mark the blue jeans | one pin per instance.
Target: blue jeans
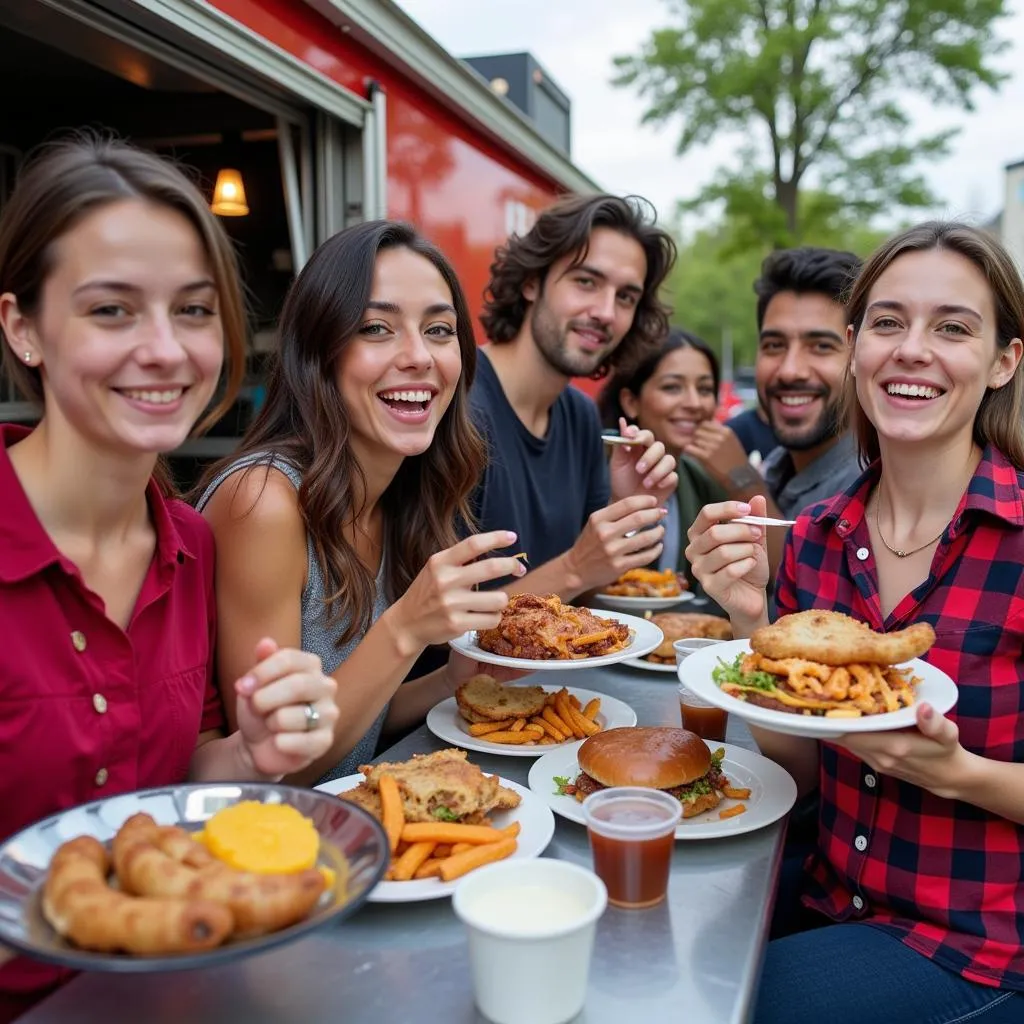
(859, 974)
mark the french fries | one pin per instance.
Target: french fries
(564, 718)
(459, 864)
(442, 849)
(731, 812)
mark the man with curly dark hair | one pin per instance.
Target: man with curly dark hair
(576, 296)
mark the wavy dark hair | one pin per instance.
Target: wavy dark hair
(64, 181)
(1000, 417)
(305, 423)
(564, 229)
(633, 378)
(805, 269)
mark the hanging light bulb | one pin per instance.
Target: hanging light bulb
(229, 194)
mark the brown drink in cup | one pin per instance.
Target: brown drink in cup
(632, 834)
(698, 716)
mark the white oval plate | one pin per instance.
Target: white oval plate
(445, 722)
(773, 792)
(645, 637)
(649, 666)
(639, 605)
(935, 687)
(537, 826)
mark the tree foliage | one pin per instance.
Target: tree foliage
(711, 288)
(814, 87)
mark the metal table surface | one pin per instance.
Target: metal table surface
(696, 957)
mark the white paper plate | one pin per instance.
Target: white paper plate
(646, 636)
(935, 688)
(650, 666)
(639, 605)
(445, 722)
(537, 826)
(773, 792)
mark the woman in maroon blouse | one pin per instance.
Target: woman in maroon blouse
(119, 296)
(921, 831)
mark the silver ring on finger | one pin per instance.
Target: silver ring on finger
(312, 717)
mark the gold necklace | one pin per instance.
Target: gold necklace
(899, 552)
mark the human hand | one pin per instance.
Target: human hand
(718, 450)
(621, 536)
(730, 560)
(929, 756)
(443, 602)
(274, 699)
(641, 468)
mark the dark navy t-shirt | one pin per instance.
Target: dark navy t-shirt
(753, 432)
(544, 488)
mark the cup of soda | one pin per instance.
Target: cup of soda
(632, 833)
(698, 716)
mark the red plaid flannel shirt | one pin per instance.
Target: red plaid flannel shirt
(946, 877)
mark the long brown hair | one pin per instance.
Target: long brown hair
(62, 183)
(304, 422)
(564, 229)
(999, 420)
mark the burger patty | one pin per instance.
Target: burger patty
(698, 796)
(764, 700)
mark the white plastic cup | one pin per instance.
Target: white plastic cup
(632, 833)
(531, 927)
(684, 648)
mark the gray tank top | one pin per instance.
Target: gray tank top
(317, 637)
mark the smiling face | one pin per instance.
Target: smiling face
(398, 374)
(678, 396)
(926, 350)
(581, 313)
(127, 336)
(801, 363)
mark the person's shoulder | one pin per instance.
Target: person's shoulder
(261, 495)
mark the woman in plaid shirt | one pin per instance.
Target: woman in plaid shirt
(921, 832)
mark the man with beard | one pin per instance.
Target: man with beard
(574, 297)
(801, 364)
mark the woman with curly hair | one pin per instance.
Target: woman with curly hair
(671, 392)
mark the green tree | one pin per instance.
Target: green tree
(813, 87)
(711, 287)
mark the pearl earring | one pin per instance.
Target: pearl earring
(28, 357)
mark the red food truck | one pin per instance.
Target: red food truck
(328, 111)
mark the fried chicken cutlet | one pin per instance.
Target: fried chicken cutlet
(442, 786)
(836, 639)
(542, 628)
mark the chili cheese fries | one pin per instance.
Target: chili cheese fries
(542, 628)
(648, 583)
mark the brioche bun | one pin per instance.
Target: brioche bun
(655, 757)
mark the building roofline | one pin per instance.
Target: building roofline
(387, 30)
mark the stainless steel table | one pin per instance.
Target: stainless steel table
(697, 957)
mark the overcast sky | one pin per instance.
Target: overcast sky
(575, 41)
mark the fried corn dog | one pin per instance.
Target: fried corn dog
(82, 907)
(260, 904)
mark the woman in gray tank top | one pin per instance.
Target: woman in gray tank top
(336, 521)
